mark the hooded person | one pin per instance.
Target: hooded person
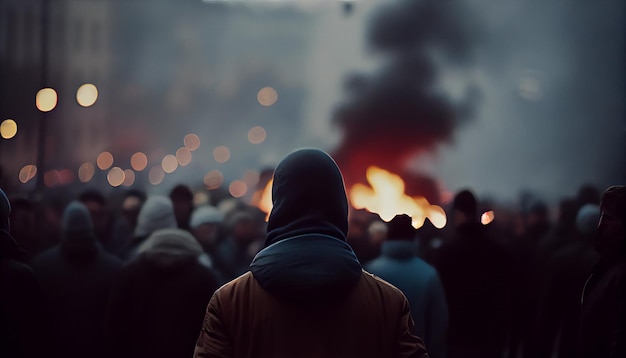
(76, 277)
(306, 294)
(157, 304)
(419, 281)
(156, 213)
(21, 301)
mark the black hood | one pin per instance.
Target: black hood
(308, 196)
(306, 259)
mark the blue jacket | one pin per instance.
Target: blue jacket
(421, 285)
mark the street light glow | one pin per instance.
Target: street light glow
(87, 94)
(8, 129)
(46, 99)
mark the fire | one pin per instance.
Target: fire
(386, 198)
(263, 199)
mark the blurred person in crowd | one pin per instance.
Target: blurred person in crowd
(96, 203)
(125, 221)
(157, 303)
(182, 199)
(306, 294)
(23, 228)
(243, 231)
(365, 246)
(419, 281)
(157, 212)
(559, 313)
(603, 315)
(76, 278)
(205, 226)
(21, 299)
(475, 271)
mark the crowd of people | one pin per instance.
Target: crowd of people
(164, 276)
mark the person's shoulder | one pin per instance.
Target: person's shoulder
(386, 289)
(230, 288)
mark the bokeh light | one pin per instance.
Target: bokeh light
(257, 135)
(487, 217)
(267, 96)
(104, 160)
(213, 179)
(86, 95)
(86, 172)
(51, 178)
(221, 154)
(46, 99)
(156, 175)
(27, 173)
(139, 161)
(8, 129)
(169, 163)
(237, 188)
(192, 141)
(183, 155)
(129, 177)
(115, 177)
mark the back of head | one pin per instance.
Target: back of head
(587, 219)
(156, 213)
(181, 192)
(465, 203)
(5, 211)
(401, 228)
(614, 199)
(76, 220)
(205, 214)
(308, 193)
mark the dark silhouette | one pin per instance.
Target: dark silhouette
(21, 302)
(23, 228)
(182, 199)
(306, 294)
(96, 203)
(157, 304)
(76, 278)
(603, 315)
(419, 281)
(205, 226)
(475, 271)
(125, 222)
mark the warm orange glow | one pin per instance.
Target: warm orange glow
(129, 177)
(221, 154)
(386, 198)
(156, 175)
(183, 155)
(46, 99)
(192, 141)
(139, 161)
(267, 96)
(51, 178)
(238, 188)
(257, 135)
(115, 177)
(86, 95)
(104, 160)
(86, 172)
(487, 217)
(169, 163)
(263, 199)
(27, 173)
(213, 179)
(8, 129)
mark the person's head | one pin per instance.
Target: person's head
(156, 213)
(131, 205)
(308, 195)
(182, 199)
(401, 228)
(465, 207)
(205, 222)
(97, 205)
(5, 212)
(612, 225)
(587, 219)
(77, 223)
(538, 214)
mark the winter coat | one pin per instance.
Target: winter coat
(21, 304)
(603, 315)
(421, 285)
(158, 301)
(306, 294)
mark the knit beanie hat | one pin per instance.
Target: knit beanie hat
(587, 219)
(5, 210)
(76, 219)
(205, 214)
(156, 213)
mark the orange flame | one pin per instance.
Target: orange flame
(386, 198)
(262, 199)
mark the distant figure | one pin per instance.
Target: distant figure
(125, 222)
(182, 199)
(156, 213)
(476, 274)
(23, 228)
(603, 316)
(205, 224)
(306, 294)
(418, 280)
(21, 300)
(76, 277)
(96, 203)
(157, 304)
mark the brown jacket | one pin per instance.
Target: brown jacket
(244, 320)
